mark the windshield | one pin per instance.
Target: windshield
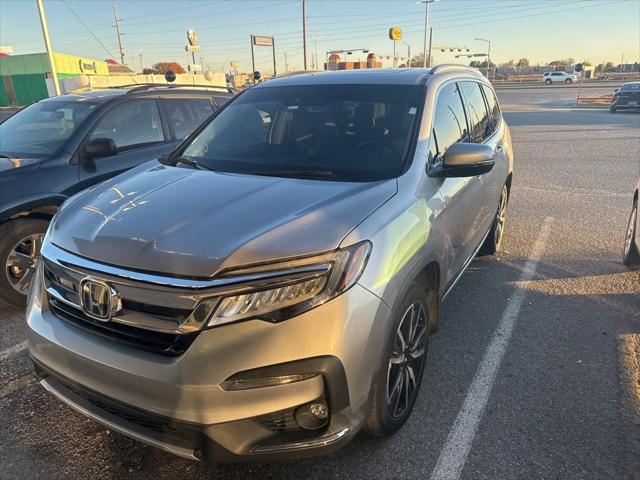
(331, 132)
(39, 130)
(630, 87)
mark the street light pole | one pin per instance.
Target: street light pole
(304, 33)
(488, 53)
(47, 44)
(408, 54)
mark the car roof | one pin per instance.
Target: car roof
(370, 76)
(106, 94)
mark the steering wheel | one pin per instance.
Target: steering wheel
(378, 145)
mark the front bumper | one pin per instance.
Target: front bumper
(177, 403)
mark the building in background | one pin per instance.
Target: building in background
(335, 63)
(25, 79)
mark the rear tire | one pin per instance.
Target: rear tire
(631, 254)
(20, 242)
(493, 242)
(397, 382)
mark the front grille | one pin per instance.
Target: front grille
(178, 434)
(157, 342)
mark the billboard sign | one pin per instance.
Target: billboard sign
(395, 33)
(263, 41)
(192, 38)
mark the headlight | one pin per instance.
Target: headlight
(279, 291)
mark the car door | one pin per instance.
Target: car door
(481, 128)
(557, 77)
(462, 197)
(137, 129)
(184, 115)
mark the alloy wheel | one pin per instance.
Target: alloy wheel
(628, 241)
(501, 217)
(407, 360)
(22, 262)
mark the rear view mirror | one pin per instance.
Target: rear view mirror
(616, 90)
(464, 160)
(100, 147)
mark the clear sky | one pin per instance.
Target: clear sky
(540, 30)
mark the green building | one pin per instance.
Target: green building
(23, 77)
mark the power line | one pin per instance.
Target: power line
(87, 28)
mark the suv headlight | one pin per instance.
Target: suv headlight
(282, 290)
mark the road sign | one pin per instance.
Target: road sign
(192, 48)
(395, 33)
(579, 67)
(262, 40)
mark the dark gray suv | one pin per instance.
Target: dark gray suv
(62, 145)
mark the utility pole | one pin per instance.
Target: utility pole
(115, 15)
(304, 33)
(141, 66)
(430, 43)
(426, 27)
(47, 44)
(286, 65)
(488, 54)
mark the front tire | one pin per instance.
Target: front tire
(493, 242)
(397, 382)
(612, 109)
(568, 80)
(20, 242)
(548, 81)
(631, 254)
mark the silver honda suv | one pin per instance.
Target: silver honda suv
(269, 289)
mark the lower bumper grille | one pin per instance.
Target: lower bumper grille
(157, 342)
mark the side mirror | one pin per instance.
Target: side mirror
(464, 160)
(616, 90)
(100, 147)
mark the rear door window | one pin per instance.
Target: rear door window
(449, 121)
(186, 114)
(494, 109)
(480, 126)
(130, 125)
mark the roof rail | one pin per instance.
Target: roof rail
(449, 67)
(140, 87)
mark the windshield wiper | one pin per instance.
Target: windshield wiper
(294, 173)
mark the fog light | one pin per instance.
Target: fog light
(312, 416)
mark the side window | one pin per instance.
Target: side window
(479, 124)
(186, 114)
(556, 74)
(449, 121)
(494, 109)
(130, 125)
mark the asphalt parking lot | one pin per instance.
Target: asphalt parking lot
(535, 370)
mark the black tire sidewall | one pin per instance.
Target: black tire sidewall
(10, 234)
(632, 257)
(381, 422)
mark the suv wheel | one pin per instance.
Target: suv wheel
(612, 109)
(568, 80)
(20, 242)
(493, 242)
(548, 81)
(631, 256)
(397, 382)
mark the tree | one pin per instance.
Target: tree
(609, 67)
(417, 60)
(163, 67)
(564, 61)
(587, 63)
(510, 63)
(475, 63)
(523, 62)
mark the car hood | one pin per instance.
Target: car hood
(185, 222)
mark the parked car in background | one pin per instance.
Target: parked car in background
(62, 145)
(559, 77)
(269, 288)
(631, 253)
(626, 97)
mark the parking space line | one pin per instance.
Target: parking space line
(453, 455)
(4, 354)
